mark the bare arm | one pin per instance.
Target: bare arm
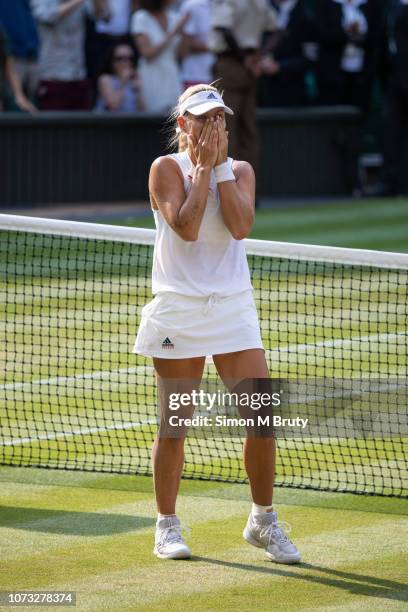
(147, 49)
(20, 98)
(51, 12)
(237, 197)
(150, 51)
(184, 214)
(68, 7)
(237, 200)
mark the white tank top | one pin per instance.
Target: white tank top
(215, 263)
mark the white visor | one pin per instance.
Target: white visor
(202, 102)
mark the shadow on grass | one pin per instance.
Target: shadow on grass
(358, 584)
(71, 523)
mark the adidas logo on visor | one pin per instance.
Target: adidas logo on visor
(202, 101)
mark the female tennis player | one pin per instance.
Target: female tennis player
(203, 204)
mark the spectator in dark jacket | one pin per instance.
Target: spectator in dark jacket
(396, 108)
(286, 62)
(349, 36)
(18, 22)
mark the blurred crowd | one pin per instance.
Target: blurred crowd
(138, 55)
(130, 55)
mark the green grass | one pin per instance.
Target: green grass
(93, 534)
(365, 224)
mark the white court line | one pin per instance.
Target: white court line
(339, 342)
(107, 374)
(58, 380)
(77, 432)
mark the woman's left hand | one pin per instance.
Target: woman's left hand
(222, 142)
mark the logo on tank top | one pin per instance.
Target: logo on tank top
(167, 343)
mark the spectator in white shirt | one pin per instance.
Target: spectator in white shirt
(197, 60)
(156, 29)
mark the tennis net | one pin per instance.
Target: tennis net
(74, 396)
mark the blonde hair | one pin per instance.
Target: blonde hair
(179, 139)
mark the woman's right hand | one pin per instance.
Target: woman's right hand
(206, 148)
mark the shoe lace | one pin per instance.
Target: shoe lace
(172, 534)
(277, 530)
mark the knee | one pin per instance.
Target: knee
(170, 444)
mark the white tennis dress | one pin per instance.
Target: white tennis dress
(203, 302)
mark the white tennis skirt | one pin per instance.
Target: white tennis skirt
(175, 326)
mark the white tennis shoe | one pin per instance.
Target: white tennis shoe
(264, 531)
(169, 543)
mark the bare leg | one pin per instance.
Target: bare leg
(259, 453)
(168, 453)
(259, 459)
(168, 460)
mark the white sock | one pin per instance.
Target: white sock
(259, 510)
(163, 516)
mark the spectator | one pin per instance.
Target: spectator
(156, 31)
(197, 60)
(284, 84)
(9, 77)
(349, 35)
(396, 107)
(102, 34)
(119, 85)
(63, 85)
(18, 22)
(236, 39)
